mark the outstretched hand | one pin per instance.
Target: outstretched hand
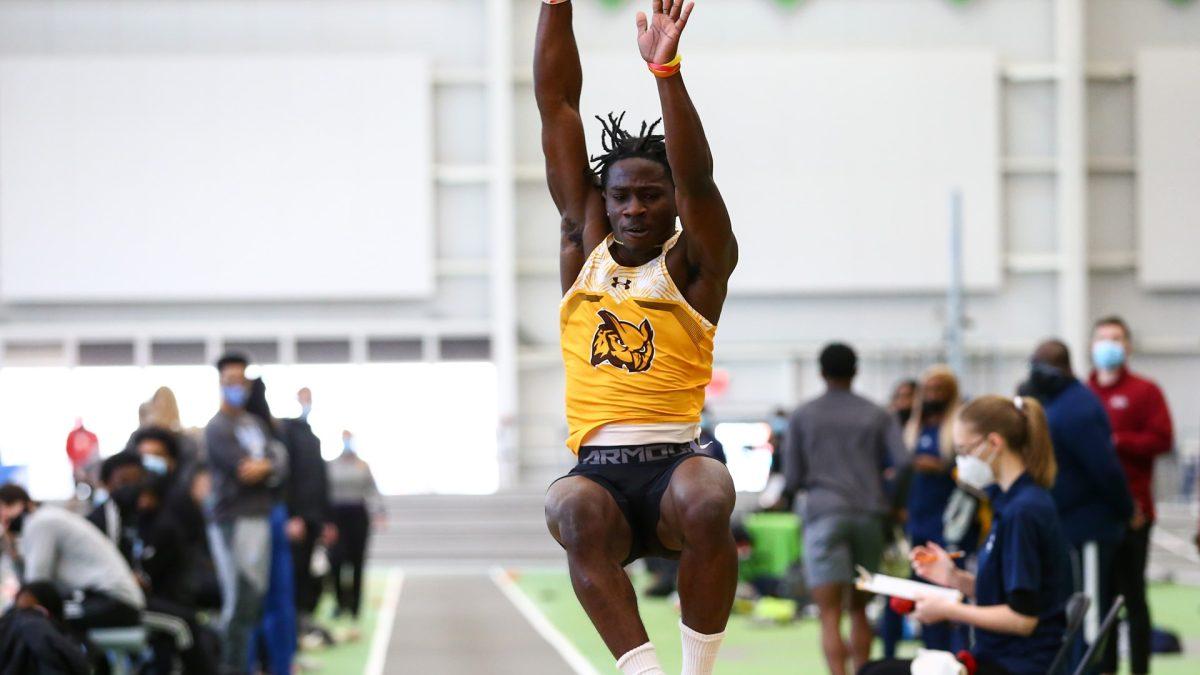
(658, 37)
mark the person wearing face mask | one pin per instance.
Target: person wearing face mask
(1141, 432)
(901, 402)
(121, 475)
(1022, 582)
(307, 497)
(159, 450)
(55, 545)
(248, 466)
(355, 497)
(896, 486)
(1091, 494)
(928, 437)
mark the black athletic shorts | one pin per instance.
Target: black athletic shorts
(637, 478)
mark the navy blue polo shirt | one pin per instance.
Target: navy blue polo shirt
(1025, 552)
(928, 493)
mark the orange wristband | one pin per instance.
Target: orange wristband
(666, 69)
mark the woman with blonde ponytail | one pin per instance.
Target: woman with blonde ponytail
(1023, 580)
(931, 486)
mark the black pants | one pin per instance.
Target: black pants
(1129, 580)
(348, 555)
(1105, 553)
(904, 667)
(302, 551)
(90, 609)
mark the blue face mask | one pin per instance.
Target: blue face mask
(155, 464)
(1108, 354)
(304, 411)
(234, 394)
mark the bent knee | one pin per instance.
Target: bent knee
(707, 513)
(580, 518)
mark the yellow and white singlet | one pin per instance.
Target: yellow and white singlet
(637, 355)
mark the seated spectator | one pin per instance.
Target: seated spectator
(61, 547)
(120, 475)
(1023, 579)
(171, 535)
(31, 637)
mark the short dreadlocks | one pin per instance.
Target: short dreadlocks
(619, 144)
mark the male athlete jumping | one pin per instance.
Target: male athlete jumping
(641, 300)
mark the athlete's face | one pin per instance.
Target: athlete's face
(640, 200)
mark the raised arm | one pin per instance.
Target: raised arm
(711, 246)
(557, 82)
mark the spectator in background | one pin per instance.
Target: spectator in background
(60, 547)
(163, 565)
(901, 402)
(83, 450)
(1090, 493)
(896, 485)
(929, 437)
(31, 640)
(274, 644)
(1022, 583)
(1141, 431)
(121, 476)
(307, 503)
(162, 412)
(158, 449)
(837, 448)
(355, 498)
(247, 465)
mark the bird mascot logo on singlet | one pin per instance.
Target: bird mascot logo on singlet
(622, 344)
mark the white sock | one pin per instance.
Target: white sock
(640, 661)
(699, 651)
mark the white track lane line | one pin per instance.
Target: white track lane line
(386, 618)
(579, 664)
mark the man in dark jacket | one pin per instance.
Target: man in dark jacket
(307, 495)
(1142, 431)
(32, 639)
(1090, 492)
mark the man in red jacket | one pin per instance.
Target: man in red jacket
(1141, 426)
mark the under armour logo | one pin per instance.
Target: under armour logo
(617, 282)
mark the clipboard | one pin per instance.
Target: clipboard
(896, 587)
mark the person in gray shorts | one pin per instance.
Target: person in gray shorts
(836, 450)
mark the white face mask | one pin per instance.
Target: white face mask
(974, 472)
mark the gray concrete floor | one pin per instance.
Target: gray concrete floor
(463, 624)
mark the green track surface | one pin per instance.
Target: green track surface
(751, 648)
(346, 658)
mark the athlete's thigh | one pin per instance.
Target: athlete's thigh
(581, 514)
(700, 490)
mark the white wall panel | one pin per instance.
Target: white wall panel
(1168, 139)
(840, 172)
(215, 177)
